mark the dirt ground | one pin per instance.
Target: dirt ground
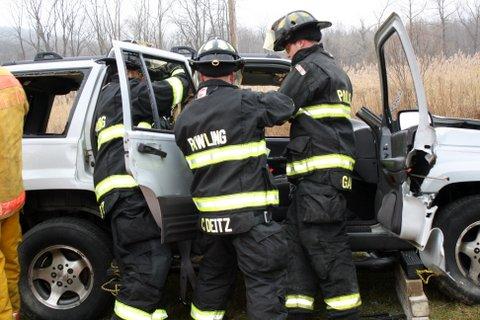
(378, 295)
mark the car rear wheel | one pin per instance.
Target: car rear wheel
(460, 223)
(64, 262)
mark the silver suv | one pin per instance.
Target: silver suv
(415, 187)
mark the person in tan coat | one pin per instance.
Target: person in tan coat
(13, 108)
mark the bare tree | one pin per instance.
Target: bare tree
(380, 15)
(18, 24)
(444, 11)
(232, 22)
(199, 20)
(469, 17)
(43, 23)
(412, 10)
(105, 19)
(70, 34)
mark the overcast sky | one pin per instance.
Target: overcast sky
(260, 13)
(346, 12)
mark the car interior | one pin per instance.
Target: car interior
(51, 97)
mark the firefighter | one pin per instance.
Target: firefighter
(222, 135)
(320, 159)
(13, 108)
(143, 261)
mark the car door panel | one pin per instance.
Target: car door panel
(401, 208)
(154, 160)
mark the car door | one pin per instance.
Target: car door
(406, 155)
(151, 154)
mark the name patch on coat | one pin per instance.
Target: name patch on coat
(210, 139)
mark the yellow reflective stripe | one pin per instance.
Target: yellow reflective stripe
(144, 124)
(177, 89)
(237, 201)
(345, 302)
(326, 111)
(130, 313)
(159, 314)
(293, 301)
(320, 162)
(110, 133)
(227, 153)
(198, 314)
(177, 71)
(115, 132)
(114, 182)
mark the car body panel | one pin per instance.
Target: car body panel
(458, 156)
(40, 152)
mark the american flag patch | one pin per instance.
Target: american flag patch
(202, 93)
(300, 69)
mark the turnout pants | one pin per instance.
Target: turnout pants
(261, 256)
(10, 237)
(319, 253)
(143, 261)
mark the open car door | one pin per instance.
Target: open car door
(151, 154)
(406, 154)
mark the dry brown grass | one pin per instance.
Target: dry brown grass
(452, 86)
(62, 105)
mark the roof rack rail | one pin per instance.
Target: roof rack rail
(49, 55)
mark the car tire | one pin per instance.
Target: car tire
(64, 263)
(460, 223)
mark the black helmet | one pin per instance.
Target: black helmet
(292, 27)
(217, 58)
(132, 60)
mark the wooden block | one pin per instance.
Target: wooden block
(411, 296)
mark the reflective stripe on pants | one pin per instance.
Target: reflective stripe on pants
(114, 182)
(346, 302)
(237, 201)
(227, 153)
(198, 314)
(126, 312)
(329, 161)
(298, 301)
(321, 111)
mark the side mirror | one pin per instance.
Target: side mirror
(410, 118)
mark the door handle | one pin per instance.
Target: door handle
(145, 148)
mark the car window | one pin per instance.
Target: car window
(156, 92)
(52, 96)
(401, 90)
(61, 108)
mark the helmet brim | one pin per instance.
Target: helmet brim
(324, 24)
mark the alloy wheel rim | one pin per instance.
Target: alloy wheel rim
(467, 252)
(60, 277)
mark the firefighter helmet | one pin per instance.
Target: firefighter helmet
(132, 60)
(217, 58)
(292, 27)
